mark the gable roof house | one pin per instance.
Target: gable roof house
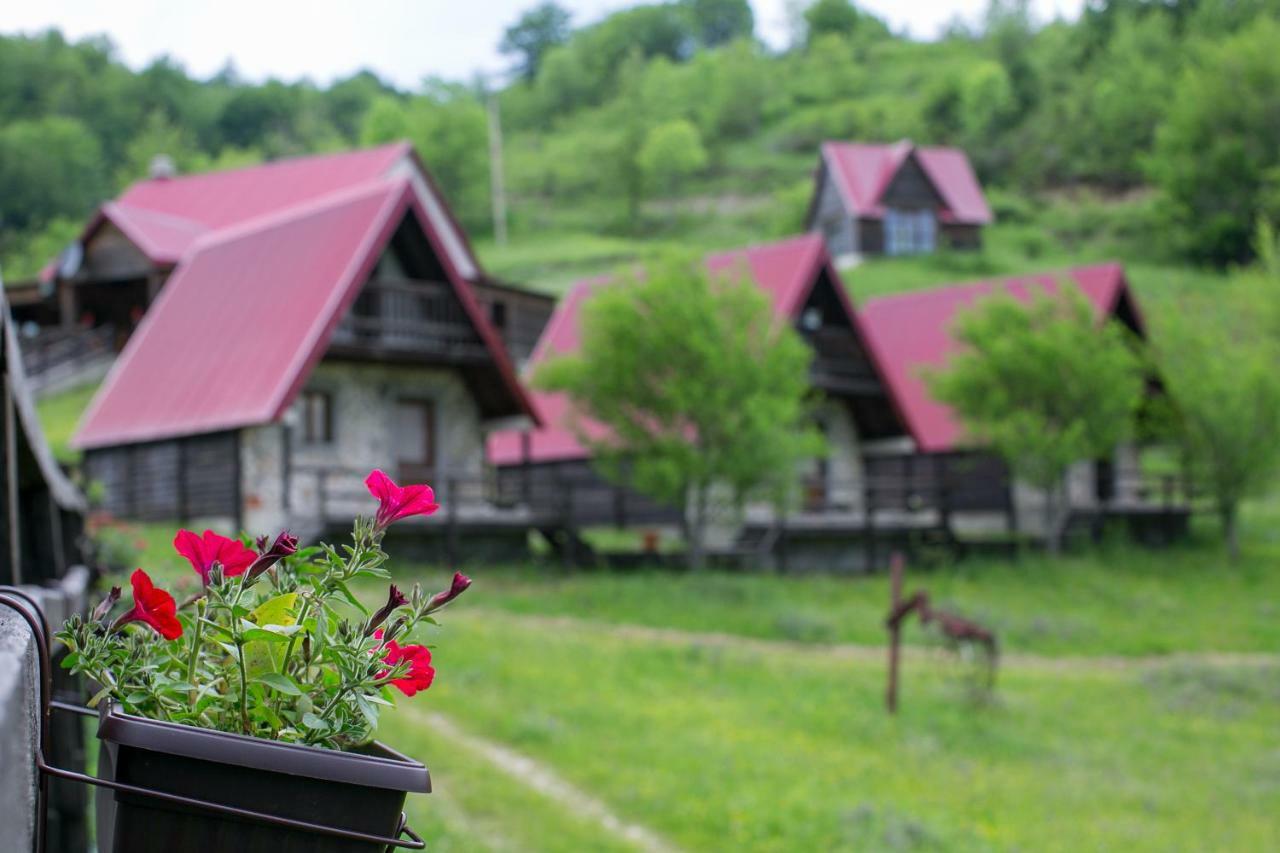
(856, 410)
(898, 199)
(132, 244)
(910, 333)
(317, 318)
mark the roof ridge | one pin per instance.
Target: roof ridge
(401, 144)
(292, 213)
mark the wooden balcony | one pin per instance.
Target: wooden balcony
(840, 366)
(404, 318)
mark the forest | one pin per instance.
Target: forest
(1153, 122)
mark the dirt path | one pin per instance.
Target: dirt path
(876, 654)
(545, 781)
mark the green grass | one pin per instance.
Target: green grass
(721, 749)
(1117, 602)
(59, 414)
(717, 744)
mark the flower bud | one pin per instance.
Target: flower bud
(104, 607)
(284, 545)
(456, 588)
(395, 599)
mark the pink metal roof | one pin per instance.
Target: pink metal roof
(247, 313)
(863, 172)
(164, 217)
(787, 270)
(910, 332)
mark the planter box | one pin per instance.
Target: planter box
(361, 792)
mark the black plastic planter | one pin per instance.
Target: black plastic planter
(192, 790)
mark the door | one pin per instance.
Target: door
(415, 441)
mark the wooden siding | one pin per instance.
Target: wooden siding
(518, 315)
(574, 494)
(961, 236)
(961, 481)
(176, 480)
(911, 189)
(828, 215)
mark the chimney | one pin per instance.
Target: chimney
(162, 167)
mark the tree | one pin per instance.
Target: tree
(1225, 406)
(49, 167)
(717, 22)
(537, 31)
(831, 17)
(671, 151)
(1215, 155)
(700, 389)
(1043, 386)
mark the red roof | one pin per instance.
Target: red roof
(250, 309)
(787, 270)
(863, 172)
(911, 331)
(164, 217)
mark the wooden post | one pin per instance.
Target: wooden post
(896, 569)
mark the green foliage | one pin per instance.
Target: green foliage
(716, 22)
(831, 17)
(1215, 156)
(1225, 398)
(671, 151)
(1042, 385)
(1176, 93)
(287, 654)
(448, 127)
(48, 167)
(698, 385)
(537, 31)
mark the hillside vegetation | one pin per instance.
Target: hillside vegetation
(1145, 129)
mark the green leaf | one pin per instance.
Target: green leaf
(280, 682)
(314, 723)
(276, 611)
(265, 636)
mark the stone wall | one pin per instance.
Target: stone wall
(363, 399)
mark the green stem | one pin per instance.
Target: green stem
(195, 651)
(244, 686)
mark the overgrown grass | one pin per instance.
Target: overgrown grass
(59, 414)
(724, 749)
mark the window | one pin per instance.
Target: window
(498, 315)
(316, 417)
(909, 232)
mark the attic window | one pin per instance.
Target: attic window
(316, 417)
(811, 319)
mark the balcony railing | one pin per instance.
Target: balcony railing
(410, 317)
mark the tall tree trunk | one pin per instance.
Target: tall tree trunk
(1230, 530)
(697, 529)
(1052, 524)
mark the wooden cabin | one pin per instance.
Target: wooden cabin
(550, 465)
(899, 199)
(326, 324)
(898, 468)
(110, 276)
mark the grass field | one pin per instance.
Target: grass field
(732, 712)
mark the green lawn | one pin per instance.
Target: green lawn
(715, 741)
(715, 748)
(59, 414)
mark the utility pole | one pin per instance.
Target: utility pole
(497, 184)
